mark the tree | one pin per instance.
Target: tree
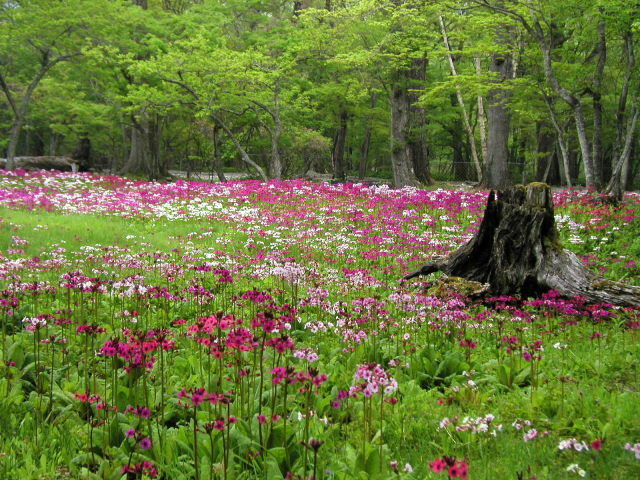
(496, 173)
(35, 37)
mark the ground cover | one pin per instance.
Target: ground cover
(247, 330)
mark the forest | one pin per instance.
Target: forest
(270, 239)
(488, 91)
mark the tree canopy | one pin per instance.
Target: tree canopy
(489, 91)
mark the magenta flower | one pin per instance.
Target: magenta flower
(437, 465)
(145, 444)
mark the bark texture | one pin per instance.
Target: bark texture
(401, 163)
(339, 146)
(64, 164)
(517, 252)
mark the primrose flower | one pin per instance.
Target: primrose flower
(574, 444)
(145, 444)
(372, 379)
(575, 468)
(635, 448)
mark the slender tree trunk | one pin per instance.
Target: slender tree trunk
(364, 153)
(616, 185)
(629, 54)
(545, 152)
(572, 101)
(465, 116)
(482, 119)
(400, 154)
(562, 143)
(153, 138)
(629, 172)
(217, 158)
(366, 140)
(19, 109)
(14, 136)
(418, 147)
(597, 104)
(275, 166)
(243, 154)
(53, 143)
(339, 146)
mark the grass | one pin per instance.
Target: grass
(45, 229)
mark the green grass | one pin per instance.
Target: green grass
(42, 229)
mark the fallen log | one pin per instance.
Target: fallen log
(65, 164)
(517, 251)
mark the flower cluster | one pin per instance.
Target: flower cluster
(143, 442)
(473, 425)
(372, 379)
(146, 468)
(196, 396)
(573, 444)
(531, 433)
(575, 468)
(454, 468)
(635, 448)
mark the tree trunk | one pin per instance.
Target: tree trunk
(546, 168)
(366, 141)
(243, 154)
(54, 140)
(573, 102)
(400, 154)
(617, 184)
(463, 109)
(82, 154)
(517, 251)
(275, 166)
(482, 120)
(496, 172)
(562, 143)
(217, 158)
(597, 104)
(139, 155)
(20, 109)
(14, 136)
(339, 145)
(418, 147)
(364, 153)
(628, 49)
(460, 166)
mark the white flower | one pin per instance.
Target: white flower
(575, 468)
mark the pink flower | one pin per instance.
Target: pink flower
(145, 444)
(437, 465)
(219, 424)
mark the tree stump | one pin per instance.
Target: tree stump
(517, 251)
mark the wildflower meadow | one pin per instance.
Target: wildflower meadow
(249, 330)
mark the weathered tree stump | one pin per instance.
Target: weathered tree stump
(517, 252)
